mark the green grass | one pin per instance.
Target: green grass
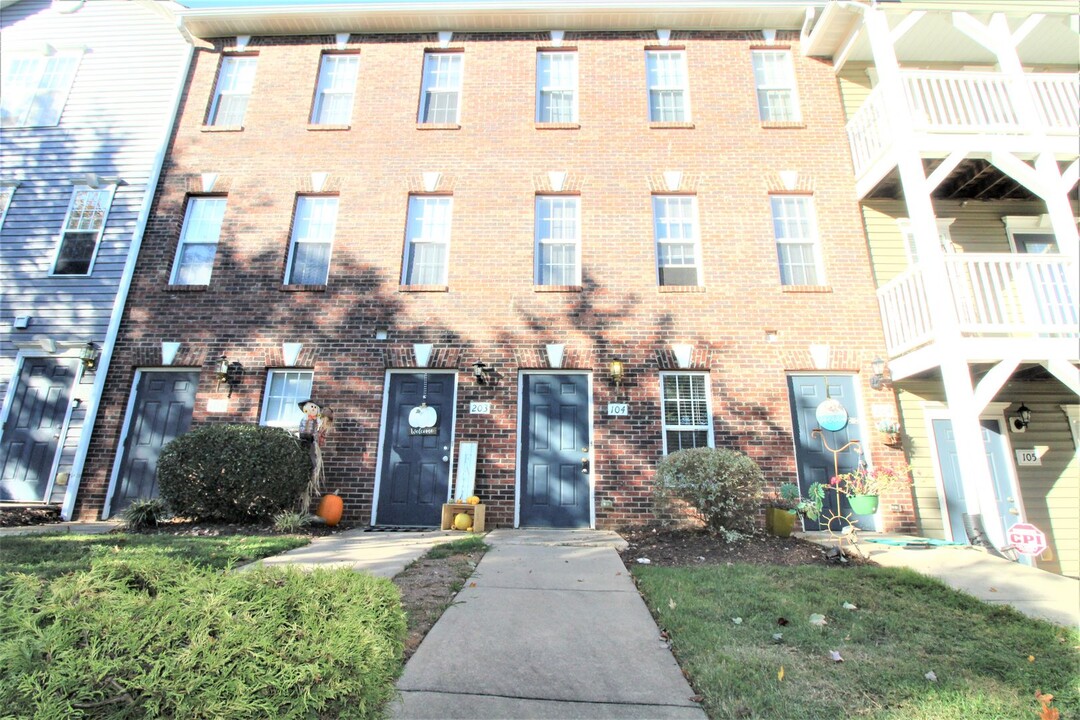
(51, 555)
(906, 625)
(471, 543)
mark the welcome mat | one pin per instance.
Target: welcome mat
(914, 543)
(400, 528)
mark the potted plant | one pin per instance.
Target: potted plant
(890, 431)
(864, 486)
(788, 504)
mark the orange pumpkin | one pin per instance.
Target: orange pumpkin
(473, 500)
(330, 508)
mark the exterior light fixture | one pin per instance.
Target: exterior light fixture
(878, 379)
(479, 368)
(89, 356)
(615, 370)
(1023, 415)
(228, 372)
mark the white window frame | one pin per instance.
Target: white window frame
(302, 235)
(220, 89)
(36, 74)
(430, 83)
(814, 241)
(779, 84)
(193, 200)
(107, 194)
(544, 60)
(1027, 225)
(664, 427)
(575, 201)
(7, 194)
(325, 88)
(696, 239)
(911, 249)
(270, 375)
(422, 234)
(652, 58)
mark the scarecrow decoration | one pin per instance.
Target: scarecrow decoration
(314, 426)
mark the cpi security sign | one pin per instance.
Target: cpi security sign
(1027, 539)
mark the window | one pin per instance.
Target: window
(556, 87)
(312, 236)
(439, 102)
(677, 248)
(284, 390)
(669, 92)
(334, 95)
(427, 240)
(235, 79)
(944, 236)
(687, 418)
(1030, 234)
(6, 193)
(558, 241)
(796, 240)
(36, 88)
(198, 241)
(774, 77)
(82, 230)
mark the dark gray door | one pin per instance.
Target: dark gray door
(815, 461)
(555, 451)
(164, 402)
(32, 431)
(996, 456)
(415, 479)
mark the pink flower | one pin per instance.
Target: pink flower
(834, 480)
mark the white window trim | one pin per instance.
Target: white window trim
(183, 239)
(424, 86)
(111, 189)
(409, 240)
(815, 240)
(698, 267)
(1072, 412)
(796, 105)
(321, 90)
(218, 92)
(664, 427)
(266, 394)
(944, 226)
(293, 241)
(537, 242)
(541, 88)
(77, 53)
(1026, 224)
(6, 190)
(685, 87)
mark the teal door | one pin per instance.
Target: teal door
(996, 456)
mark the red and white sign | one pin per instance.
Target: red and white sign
(1027, 539)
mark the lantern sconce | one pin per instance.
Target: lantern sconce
(879, 380)
(616, 371)
(479, 368)
(1022, 418)
(89, 356)
(228, 373)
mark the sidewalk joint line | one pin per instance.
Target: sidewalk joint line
(554, 700)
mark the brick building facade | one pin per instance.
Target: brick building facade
(436, 243)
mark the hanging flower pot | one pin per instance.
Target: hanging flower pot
(863, 504)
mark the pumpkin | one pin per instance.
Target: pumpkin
(462, 521)
(330, 508)
(473, 500)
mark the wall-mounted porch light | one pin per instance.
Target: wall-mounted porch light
(479, 368)
(89, 356)
(1023, 415)
(228, 373)
(879, 379)
(615, 371)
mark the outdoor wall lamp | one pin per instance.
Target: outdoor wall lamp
(1023, 415)
(228, 373)
(479, 368)
(89, 356)
(615, 370)
(878, 379)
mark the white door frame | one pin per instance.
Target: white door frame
(382, 429)
(592, 445)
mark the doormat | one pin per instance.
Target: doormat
(914, 543)
(400, 528)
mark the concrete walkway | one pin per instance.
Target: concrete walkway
(553, 628)
(1034, 592)
(96, 527)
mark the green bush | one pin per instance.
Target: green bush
(290, 521)
(723, 486)
(233, 473)
(155, 638)
(144, 513)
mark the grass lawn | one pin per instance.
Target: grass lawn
(989, 661)
(51, 555)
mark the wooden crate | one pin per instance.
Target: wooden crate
(449, 510)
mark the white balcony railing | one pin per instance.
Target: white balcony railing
(965, 102)
(992, 294)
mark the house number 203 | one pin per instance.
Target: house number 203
(480, 408)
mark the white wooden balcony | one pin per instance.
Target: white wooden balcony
(994, 295)
(967, 103)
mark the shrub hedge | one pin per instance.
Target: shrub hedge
(233, 473)
(722, 485)
(153, 638)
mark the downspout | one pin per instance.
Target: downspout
(121, 297)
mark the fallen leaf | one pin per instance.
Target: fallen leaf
(782, 621)
(931, 676)
(834, 655)
(697, 698)
(1031, 658)
(472, 584)
(671, 603)
(993, 589)
(849, 606)
(819, 620)
(780, 675)
(737, 621)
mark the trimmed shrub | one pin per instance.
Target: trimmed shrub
(154, 638)
(723, 486)
(233, 473)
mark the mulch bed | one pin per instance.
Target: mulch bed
(19, 517)
(671, 548)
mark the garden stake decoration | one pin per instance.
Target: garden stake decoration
(827, 515)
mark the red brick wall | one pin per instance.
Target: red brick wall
(494, 165)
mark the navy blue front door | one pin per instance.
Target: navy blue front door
(555, 487)
(415, 478)
(815, 461)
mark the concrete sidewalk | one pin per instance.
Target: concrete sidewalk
(1036, 593)
(95, 527)
(553, 628)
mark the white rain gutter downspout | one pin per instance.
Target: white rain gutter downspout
(120, 302)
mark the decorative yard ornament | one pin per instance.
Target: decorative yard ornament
(831, 415)
(314, 426)
(423, 418)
